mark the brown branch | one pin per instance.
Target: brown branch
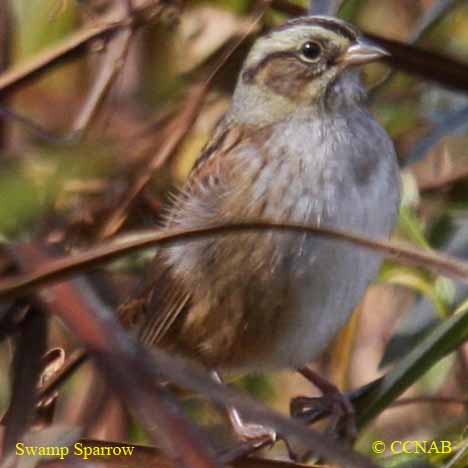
(62, 268)
(175, 132)
(135, 375)
(118, 358)
(188, 375)
(173, 135)
(31, 126)
(77, 43)
(72, 362)
(442, 180)
(71, 47)
(113, 62)
(26, 368)
(152, 457)
(429, 65)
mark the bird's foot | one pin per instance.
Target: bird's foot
(333, 403)
(257, 434)
(251, 431)
(262, 436)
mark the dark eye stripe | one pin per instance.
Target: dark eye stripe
(249, 74)
(330, 24)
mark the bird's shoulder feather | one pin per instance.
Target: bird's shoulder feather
(165, 298)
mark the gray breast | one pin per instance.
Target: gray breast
(292, 292)
(346, 176)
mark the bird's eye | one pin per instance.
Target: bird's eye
(311, 51)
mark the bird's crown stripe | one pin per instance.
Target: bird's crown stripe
(331, 24)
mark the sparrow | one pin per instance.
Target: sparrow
(298, 145)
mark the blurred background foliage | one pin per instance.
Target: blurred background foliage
(74, 189)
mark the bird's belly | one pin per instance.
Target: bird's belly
(326, 294)
(275, 300)
(289, 321)
(327, 280)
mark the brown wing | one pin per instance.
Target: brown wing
(164, 302)
(165, 299)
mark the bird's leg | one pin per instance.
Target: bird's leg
(245, 430)
(333, 403)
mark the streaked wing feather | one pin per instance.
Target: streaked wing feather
(165, 304)
(166, 298)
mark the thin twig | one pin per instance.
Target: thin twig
(431, 18)
(113, 62)
(26, 369)
(33, 127)
(429, 65)
(152, 457)
(118, 358)
(72, 363)
(62, 268)
(173, 135)
(74, 45)
(187, 375)
(441, 181)
(135, 374)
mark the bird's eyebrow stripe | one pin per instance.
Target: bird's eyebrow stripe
(331, 25)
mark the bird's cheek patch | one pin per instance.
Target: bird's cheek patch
(287, 77)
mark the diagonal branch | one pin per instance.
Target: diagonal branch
(113, 62)
(118, 358)
(73, 46)
(77, 43)
(173, 136)
(429, 65)
(136, 374)
(176, 131)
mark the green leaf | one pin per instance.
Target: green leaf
(415, 279)
(463, 307)
(410, 226)
(38, 27)
(444, 339)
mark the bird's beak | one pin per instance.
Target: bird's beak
(361, 52)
